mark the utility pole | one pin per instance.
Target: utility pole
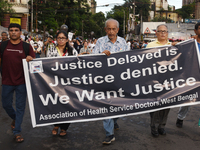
(124, 25)
(134, 15)
(82, 29)
(36, 28)
(31, 16)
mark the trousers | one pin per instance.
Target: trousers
(108, 125)
(7, 103)
(183, 112)
(159, 117)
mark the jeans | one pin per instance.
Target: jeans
(108, 125)
(7, 100)
(183, 112)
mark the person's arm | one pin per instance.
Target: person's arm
(31, 55)
(29, 58)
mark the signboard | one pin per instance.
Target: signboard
(15, 20)
(151, 27)
(147, 31)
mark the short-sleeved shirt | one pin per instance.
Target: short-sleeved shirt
(54, 52)
(104, 43)
(12, 67)
(157, 43)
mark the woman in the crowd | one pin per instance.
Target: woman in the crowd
(85, 49)
(37, 50)
(63, 48)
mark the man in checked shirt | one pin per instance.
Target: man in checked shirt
(109, 44)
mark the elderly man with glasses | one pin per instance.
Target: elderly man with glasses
(159, 117)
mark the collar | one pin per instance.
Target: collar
(108, 40)
(168, 42)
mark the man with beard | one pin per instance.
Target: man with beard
(12, 53)
(109, 44)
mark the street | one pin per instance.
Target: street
(134, 133)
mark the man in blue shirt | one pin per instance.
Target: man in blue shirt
(184, 110)
(108, 44)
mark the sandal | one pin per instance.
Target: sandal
(55, 131)
(19, 138)
(63, 132)
(13, 125)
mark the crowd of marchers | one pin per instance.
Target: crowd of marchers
(15, 46)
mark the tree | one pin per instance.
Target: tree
(5, 8)
(75, 14)
(161, 19)
(142, 7)
(186, 11)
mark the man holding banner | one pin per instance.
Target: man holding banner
(12, 53)
(159, 117)
(109, 44)
(184, 110)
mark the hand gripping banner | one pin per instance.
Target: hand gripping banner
(95, 87)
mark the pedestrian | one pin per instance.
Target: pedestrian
(4, 36)
(37, 50)
(159, 117)
(12, 53)
(109, 44)
(184, 109)
(85, 49)
(39, 42)
(63, 48)
(49, 45)
(78, 45)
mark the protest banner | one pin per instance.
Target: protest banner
(95, 87)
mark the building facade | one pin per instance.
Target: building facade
(161, 8)
(186, 2)
(20, 16)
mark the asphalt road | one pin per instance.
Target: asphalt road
(134, 134)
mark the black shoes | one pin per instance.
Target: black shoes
(154, 132)
(116, 126)
(161, 131)
(108, 139)
(179, 123)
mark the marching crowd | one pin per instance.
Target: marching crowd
(15, 48)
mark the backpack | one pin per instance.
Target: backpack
(4, 45)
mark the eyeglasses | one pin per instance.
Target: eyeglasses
(61, 38)
(13, 30)
(162, 31)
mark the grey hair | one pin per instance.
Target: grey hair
(111, 19)
(161, 25)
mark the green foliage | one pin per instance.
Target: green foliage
(5, 8)
(142, 8)
(162, 19)
(75, 14)
(186, 11)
